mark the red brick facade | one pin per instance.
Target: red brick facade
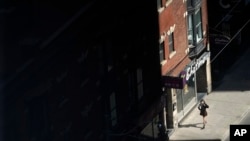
(186, 22)
(175, 15)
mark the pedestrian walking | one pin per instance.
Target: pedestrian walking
(203, 112)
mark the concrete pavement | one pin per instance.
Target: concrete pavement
(229, 103)
(225, 108)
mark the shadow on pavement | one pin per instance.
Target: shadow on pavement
(190, 125)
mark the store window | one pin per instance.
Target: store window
(186, 95)
(189, 91)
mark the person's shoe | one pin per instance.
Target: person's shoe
(203, 126)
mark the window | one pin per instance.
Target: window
(198, 25)
(171, 42)
(194, 28)
(190, 30)
(159, 4)
(162, 51)
(189, 3)
(192, 3)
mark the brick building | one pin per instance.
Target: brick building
(90, 72)
(184, 58)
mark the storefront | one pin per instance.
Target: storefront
(188, 96)
(183, 92)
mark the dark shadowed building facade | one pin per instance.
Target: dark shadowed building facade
(228, 28)
(90, 72)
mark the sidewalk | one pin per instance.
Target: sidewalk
(225, 108)
(228, 104)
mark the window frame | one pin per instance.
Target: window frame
(159, 4)
(196, 33)
(171, 42)
(190, 29)
(198, 25)
(162, 51)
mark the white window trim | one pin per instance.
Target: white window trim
(163, 62)
(171, 55)
(164, 49)
(185, 14)
(168, 2)
(170, 31)
(160, 9)
(187, 50)
(162, 38)
(204, 33)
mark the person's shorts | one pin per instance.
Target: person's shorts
(203, 113)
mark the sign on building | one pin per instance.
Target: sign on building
(173, 82)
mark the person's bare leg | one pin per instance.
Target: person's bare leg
(204, 122)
